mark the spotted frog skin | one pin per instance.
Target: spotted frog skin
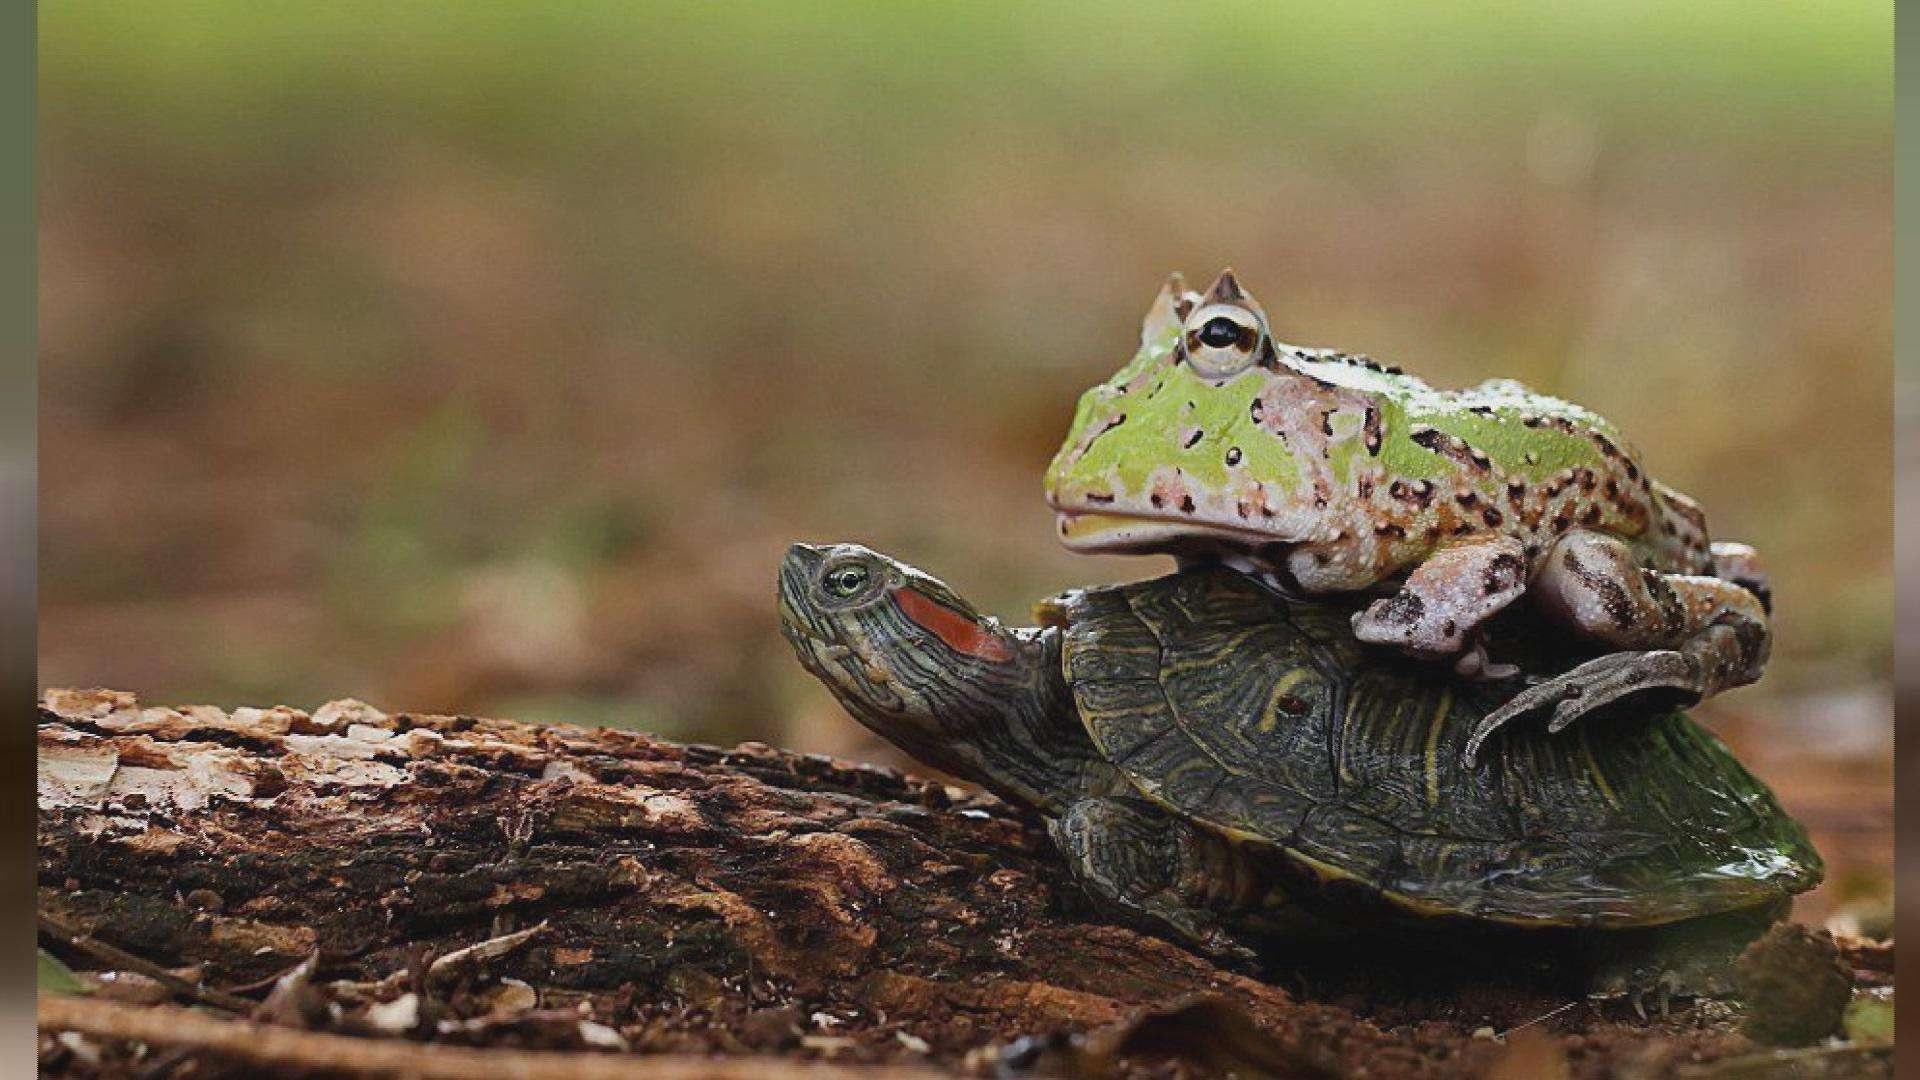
(1329, 472)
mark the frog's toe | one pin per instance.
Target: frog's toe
(1617, 676)
(1546, 695)
(1570, 709)
(1592, 686)
(1417, 628)
(1474, 663)
(1390, 620)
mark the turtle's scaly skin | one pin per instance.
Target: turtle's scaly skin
(1262, 719)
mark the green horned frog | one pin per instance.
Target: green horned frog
(1326, 472)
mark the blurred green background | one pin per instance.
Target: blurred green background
(484, 358)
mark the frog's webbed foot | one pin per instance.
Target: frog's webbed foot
(1595, 685)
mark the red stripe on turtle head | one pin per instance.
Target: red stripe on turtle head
(961, 634)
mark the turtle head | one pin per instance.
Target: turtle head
(922, 668)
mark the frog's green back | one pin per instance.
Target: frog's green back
(1494, 418)
(1264, 720)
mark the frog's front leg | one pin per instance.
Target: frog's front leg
(1685, 636)
(1446, 598)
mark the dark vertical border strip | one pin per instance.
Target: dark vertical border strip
(18, 406)
(1906, 442)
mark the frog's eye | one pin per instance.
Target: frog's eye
(1221, 340)
(1221, 332)
(845, 580)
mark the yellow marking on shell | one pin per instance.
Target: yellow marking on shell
(1229, 646)
(1145, 649)
(1147, 710)
(1360, 712)
(1593, 766)
(1433, 746)
(1269, 716)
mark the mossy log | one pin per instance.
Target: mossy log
(429, 882)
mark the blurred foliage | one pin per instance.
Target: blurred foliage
(53, 977)
(1869, 1018)
(485, 357)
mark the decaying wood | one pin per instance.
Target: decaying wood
(605, 895)
(268, 1047)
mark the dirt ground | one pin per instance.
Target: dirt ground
(371, 892)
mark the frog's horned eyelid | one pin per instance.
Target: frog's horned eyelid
(1226, 289)
(1165, 315)
(1183, 298)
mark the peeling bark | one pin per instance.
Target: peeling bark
(615, 892)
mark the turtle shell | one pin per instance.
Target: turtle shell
(1262, 719)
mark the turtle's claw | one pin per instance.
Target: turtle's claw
(1658, 996)
(1591, 686)
(1225, 952)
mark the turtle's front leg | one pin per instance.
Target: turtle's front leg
(1150, 868)
(1681, 636)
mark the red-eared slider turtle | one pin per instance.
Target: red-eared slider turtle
(1207, 753)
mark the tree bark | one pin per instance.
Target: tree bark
(450, 880)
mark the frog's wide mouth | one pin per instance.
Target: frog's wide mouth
(1121, 533)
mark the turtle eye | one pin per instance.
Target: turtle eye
(845, 580)
(1221, 340)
